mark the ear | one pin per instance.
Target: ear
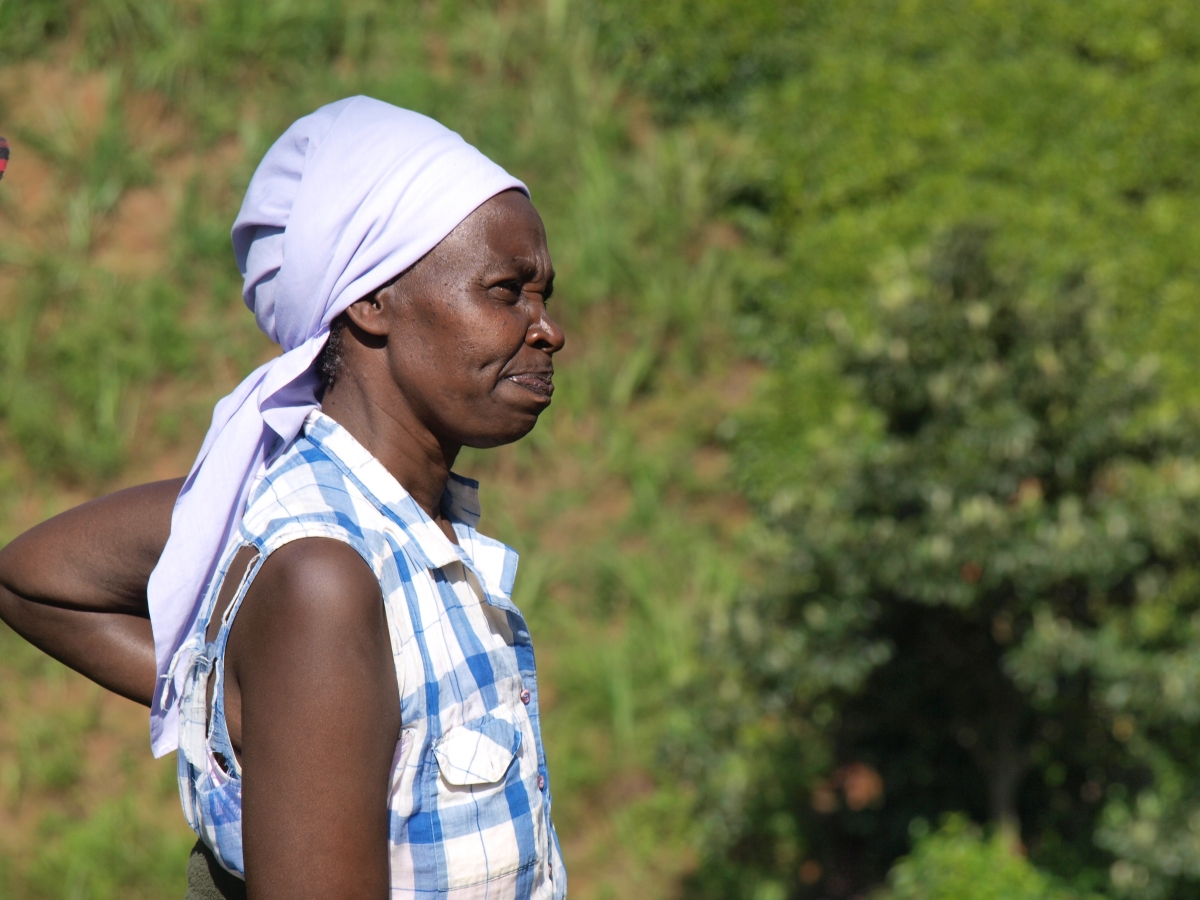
(371, 313)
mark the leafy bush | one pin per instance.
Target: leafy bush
(989, 572)
(957, 861)
(690, 54)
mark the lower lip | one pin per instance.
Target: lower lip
(542, 387)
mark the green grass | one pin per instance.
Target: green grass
(619, 501)
(113, 854)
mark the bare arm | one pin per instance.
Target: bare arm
(314, 711)
(75, 586)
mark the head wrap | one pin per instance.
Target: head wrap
(351, 196)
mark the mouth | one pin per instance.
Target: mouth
(540, 383)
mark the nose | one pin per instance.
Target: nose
(544, 333)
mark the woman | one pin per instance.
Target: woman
(333, 646)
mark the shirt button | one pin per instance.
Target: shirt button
(525, 695)
(541, 782)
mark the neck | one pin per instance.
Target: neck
(393, 433)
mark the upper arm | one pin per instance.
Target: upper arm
(75, 586)
(320, 718)
(97, 556)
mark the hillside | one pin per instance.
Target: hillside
(863, 302)
(123, 324)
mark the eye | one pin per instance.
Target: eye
(510, 289)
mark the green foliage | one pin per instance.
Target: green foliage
(973, 506)
(50, 751)
(1056, 127)
(97, 169)
(79, 345)
(26, 25)
(54, 734)
(116, 853)
(957, 862)
(79, 351)
(1056, 124)
(702, 53)
(989, 566)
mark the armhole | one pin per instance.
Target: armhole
(247, 561)
(235, 583)
(242, 564)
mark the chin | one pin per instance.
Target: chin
(509, 431)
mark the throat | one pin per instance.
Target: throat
(397, 437)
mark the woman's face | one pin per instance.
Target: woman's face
(469, 344)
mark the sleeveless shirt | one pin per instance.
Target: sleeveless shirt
(469, 795)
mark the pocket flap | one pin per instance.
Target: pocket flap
(478, 752)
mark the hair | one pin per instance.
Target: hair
(330, 362)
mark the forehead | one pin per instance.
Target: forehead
(506, 227)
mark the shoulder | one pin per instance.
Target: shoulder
(310, 641)
(315, 582)
(297, 480)
(306, 494)
(311, 633)
(313, 605)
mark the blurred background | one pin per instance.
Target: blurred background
(862, 542)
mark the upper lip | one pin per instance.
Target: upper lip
(540, 373)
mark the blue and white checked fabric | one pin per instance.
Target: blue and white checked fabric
(470, 796)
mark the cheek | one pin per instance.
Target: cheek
(488, 336)
(460, 349)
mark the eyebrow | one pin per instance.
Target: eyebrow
(526, 266)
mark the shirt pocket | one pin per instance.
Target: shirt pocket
(482, 803)
(478, 752)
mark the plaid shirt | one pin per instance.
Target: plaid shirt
(469, 798)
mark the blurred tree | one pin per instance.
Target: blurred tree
(863, 126)
(990, 598)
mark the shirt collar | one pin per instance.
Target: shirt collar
(461, 500)
(429, 547)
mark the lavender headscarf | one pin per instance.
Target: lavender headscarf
(348, 198)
